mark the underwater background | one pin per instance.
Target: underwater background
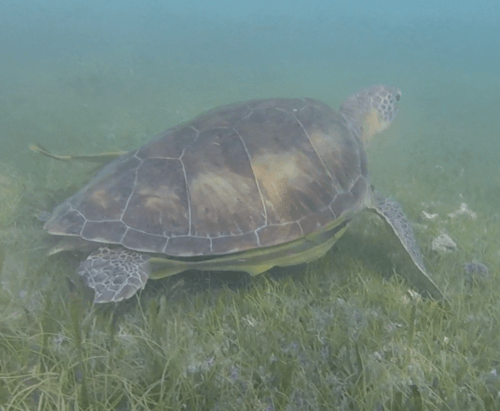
(80, 77)
(83, 77)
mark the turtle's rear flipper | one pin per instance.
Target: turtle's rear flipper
(114, 274)
(392, 213)
(101, 158)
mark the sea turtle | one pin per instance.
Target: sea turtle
(242, 187)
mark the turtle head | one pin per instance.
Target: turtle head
(371, 110)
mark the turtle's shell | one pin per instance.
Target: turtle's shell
(239, 177)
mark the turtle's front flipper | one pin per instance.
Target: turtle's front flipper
(114, 274)
(393, 215)
(96, 158)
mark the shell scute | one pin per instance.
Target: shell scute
(242, 176)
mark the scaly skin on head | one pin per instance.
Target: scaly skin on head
(371, 110)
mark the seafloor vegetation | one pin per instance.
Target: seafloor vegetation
(343, 333)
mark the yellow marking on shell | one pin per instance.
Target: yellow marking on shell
(220, 193)
(328, 151)
(159, 198)
(373, 123)
(207, 183)
(100, 198)
(278, 175)
(321, 142)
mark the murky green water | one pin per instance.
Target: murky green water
(116, 91)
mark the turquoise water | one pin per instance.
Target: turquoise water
(85, 77)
